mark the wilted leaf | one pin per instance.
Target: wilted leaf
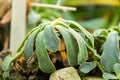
(78, 27)
(82, 54)
(45, 64)
(86, 67)
(8, 60)
(52, 41)
(26, 37)
(28, 51)
(71, 45)
(110, 52)
(109, 76)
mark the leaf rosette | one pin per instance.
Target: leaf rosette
(48, 38)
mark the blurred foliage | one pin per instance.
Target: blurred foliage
(92, 14)
(91, 2)
(84, 2)
(38, 15)
(94, 17)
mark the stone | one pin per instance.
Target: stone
(68, 73)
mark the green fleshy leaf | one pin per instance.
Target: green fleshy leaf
(45, 64)
(71, 46)
(82, 54)
(28, 51)
(78, 27)
(52, 41)
(117, 69)
(86, 67)
(109, 76)
(110, 52)
(6, 63)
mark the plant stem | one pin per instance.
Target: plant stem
(100, 67)
(54, 6)
(15, 56)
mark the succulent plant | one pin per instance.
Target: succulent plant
(109, 45)
(49, 37)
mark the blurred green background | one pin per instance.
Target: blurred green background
(91, 14)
